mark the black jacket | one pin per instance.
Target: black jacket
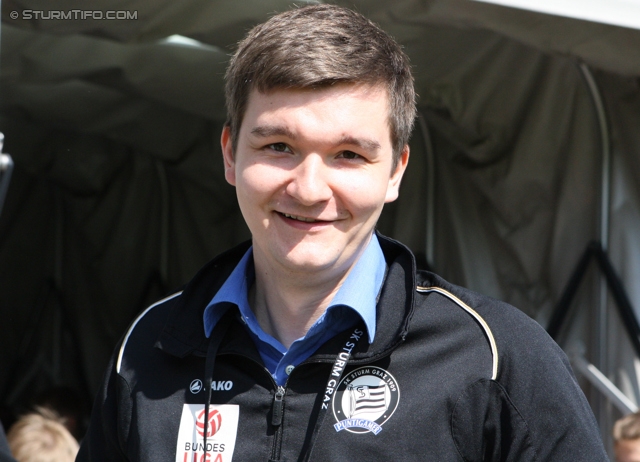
(451, 376)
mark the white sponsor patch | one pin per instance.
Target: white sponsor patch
(221, 433)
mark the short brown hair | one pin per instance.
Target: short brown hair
(41, 437)
(627, 428)
(318, 46)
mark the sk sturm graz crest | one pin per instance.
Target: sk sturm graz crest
(365, 399)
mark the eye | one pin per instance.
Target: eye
(279, 147)
(350, 155)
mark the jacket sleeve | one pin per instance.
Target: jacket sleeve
(5, 454)
(110, 418)
(533, 410)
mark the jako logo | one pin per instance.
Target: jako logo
(196, 386)
(222, 385)
(215, 421)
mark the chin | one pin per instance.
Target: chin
(315, 259)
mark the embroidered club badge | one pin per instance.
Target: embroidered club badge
(364, 400)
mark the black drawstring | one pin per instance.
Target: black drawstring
(215, 339)
(337, 371)
(335, 376)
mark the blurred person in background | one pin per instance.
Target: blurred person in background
(626, 437)
(41, 437)
(67, 403)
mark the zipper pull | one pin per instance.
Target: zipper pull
(278, 404)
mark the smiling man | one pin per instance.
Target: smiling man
(312, 170)
(318, 339)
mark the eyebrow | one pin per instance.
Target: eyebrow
(265, 131)
(363, 143)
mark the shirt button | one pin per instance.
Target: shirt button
(289, 369)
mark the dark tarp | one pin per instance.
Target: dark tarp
(118, 193)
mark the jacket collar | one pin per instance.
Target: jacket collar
(183, 333)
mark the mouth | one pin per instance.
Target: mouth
(299, 218)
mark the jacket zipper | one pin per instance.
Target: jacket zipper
(277, 408)
(276, 421)
(277, 405)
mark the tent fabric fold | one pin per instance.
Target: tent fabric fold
(118, 195)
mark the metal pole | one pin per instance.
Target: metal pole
(164, 221)
(6, 168)
(605, 198)
(431, 192)
(602, 383)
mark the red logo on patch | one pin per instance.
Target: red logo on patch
(215, 421)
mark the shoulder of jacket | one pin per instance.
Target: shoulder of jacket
(474, 314)
(506, 327)
(137, 322)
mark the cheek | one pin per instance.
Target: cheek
(256, 183)
(363, 194)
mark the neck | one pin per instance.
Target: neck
(287, 302)
(287, 307)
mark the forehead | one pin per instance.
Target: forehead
(353, 108)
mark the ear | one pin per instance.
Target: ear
(393, 189)
(227, 156)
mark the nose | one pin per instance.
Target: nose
(309, 183)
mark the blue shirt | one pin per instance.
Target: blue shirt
(356, 299)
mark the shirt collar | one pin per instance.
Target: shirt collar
(360, 291)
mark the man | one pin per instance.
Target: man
(318, 340)
(41, 436)
(626, 437)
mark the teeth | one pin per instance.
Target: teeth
(294, 217)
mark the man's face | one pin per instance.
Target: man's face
(627, 450)
(312, 171)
